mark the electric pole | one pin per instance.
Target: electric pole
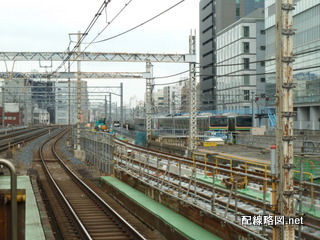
(78, 95)
(284, 131)
(149, 88)
(193, 96)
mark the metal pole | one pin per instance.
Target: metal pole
(213, 198)
(117, 117)
(3, 100)
(149, 88)
(14, 211)
(121, 104)
(252, 112)
(69, 86)
(105, 107)
(300, 193)
(78, 95)
(285, 115)
(193, 96)
(110, 113)
(25, 108)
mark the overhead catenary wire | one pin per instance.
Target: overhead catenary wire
(239, 75)
(173, 75)
(108, 23)
(219, 76)
(161, 84)
(139, 25)
(103, 7)
(254, 74)
(263, 60)
(226, 75)
(83, 35)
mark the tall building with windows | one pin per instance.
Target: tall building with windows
(306, 71)
(172, 97)
(240, 62)
(66, 102)
(158, 101)
(216, 15)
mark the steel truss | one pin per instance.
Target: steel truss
(119, 57)
(96, 56)
(67, 75)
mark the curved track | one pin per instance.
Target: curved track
(80, 214)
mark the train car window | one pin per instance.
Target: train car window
(244, 121)
(218, 121)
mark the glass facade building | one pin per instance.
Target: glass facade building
(306, 71)
(216, 15)
(238, 62)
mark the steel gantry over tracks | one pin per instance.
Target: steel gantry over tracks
(97, 57)
(126, 57)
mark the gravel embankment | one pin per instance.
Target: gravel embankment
(23, 158)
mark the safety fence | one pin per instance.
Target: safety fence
(99, 149)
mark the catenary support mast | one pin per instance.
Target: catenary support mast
(78, 95)
(193, 95)
(285, 115)
(149, 88)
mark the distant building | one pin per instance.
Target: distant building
(185, 98)
(18, 91)
(172, 97)
(216, 15)
(12, 116)
(240, 78)
(40, 115)
(43, 97)
(306, 72)
(158, 101)
(66, 102)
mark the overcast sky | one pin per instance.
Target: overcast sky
(40, 25)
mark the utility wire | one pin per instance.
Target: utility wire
(83, 35)
(226, 75)
(91, 24)
(173, 75)
(255, 74)
(108, 23)
(159, 84)
(129, 30)
(264, 60)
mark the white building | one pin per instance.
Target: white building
(239, 79)
(40, 115)
(172, 97)
(158, 101)
(306, 72)
(66, 102)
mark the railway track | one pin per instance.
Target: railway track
(21, 136)
(157, 170)
(78, 212)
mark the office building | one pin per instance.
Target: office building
(240, 63)
(216, 15)
(306, 72)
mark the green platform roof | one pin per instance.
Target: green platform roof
(186, 227)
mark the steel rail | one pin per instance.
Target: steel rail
(127, 146)
(129, 230)
(47, 172)
(88, 189)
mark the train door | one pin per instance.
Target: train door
(231, 124)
